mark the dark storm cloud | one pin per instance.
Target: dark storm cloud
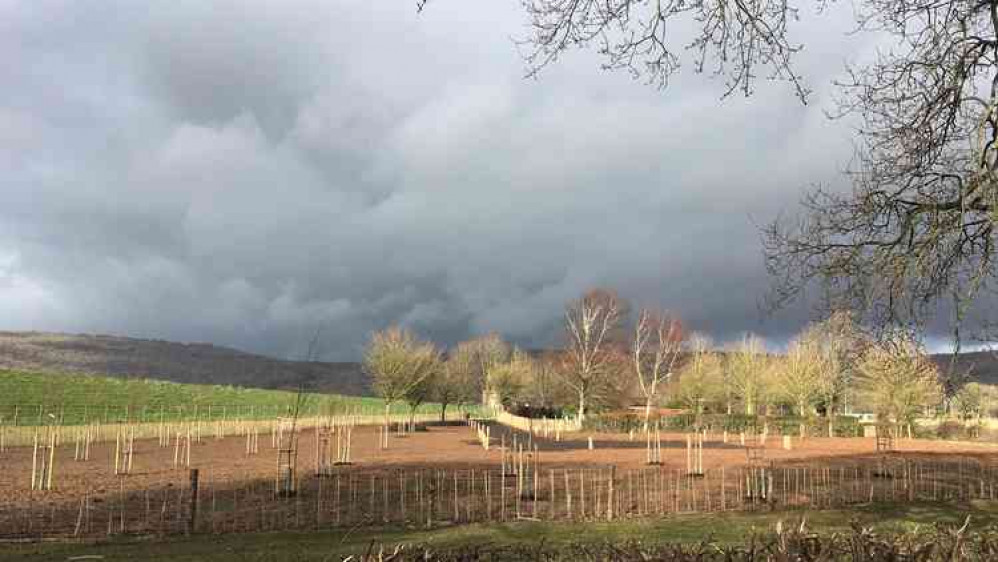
(242, 172)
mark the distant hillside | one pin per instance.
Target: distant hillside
(202, 363)
(178, 362)
(982, 365)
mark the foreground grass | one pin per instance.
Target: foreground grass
(76, 398)
(729, 528)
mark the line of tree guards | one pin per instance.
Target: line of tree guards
(612, 359)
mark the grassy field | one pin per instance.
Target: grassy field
(73, 399)
(729, 528)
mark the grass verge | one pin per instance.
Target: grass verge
(729, 528)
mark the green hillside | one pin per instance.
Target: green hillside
(73, 399)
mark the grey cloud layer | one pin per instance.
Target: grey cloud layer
(241, 172)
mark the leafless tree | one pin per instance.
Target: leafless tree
(453, 383)
(738, 40)
(474, 359)
(398, 363)
(898, 379)
(427, 388)
(917, 227)
(841, 344)
(545, 388)
(747, 373)
(700, 378)
(508, 380)
(590, 323)
(802, 378)
(655, 349)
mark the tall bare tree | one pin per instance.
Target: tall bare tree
(917, 227)
(590, 323)
(655, 349)
(398, 363)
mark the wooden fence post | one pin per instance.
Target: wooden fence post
(609, 498)
(192, 520)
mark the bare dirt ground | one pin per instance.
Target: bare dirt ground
(443, 447)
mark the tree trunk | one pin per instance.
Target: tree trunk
(388, 411)
(582, 407)
(800, 410)
(443, 412)
(647, 411)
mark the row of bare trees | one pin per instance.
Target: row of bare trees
(832, 367)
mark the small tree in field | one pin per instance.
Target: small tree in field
(658, 341)
(898, 380)
(398, 363)
(700, 377)
(590, 324)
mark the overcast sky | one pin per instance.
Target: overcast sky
(242, 171)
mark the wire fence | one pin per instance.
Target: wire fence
(204, 502)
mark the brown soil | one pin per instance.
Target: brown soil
(445, 447)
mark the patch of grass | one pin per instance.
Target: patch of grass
(727, 528)
(74, 399)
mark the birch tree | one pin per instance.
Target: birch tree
(655, 349)
(590, 323)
